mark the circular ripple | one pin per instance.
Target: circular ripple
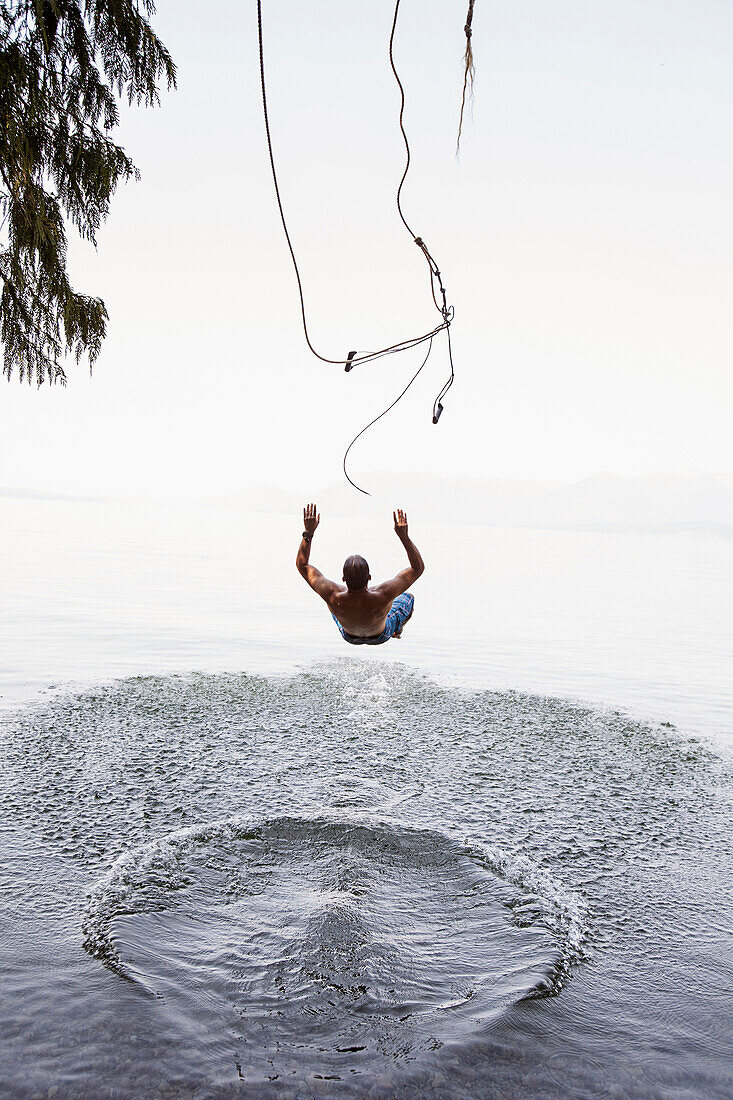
(351, 940)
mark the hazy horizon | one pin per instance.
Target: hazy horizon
(692, 502)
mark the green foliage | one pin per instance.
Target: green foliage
(64, 64)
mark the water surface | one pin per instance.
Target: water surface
(237, 858)
(349, 879)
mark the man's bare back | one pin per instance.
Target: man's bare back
(364, 614)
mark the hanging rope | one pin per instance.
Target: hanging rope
(440, 300)
(376, 418)
(469, 71)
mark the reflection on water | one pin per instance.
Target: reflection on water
(355, 881)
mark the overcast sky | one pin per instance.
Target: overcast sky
(584, 237)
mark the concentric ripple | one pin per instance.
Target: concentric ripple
(353, 940)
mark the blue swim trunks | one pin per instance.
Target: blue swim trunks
(398, 615)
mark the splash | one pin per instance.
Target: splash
(401, 922)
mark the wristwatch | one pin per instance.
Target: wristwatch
(307, 535)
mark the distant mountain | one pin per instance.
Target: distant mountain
(682, 501)
(260, 498)
(41, 494)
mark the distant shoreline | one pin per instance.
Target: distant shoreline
(654, 503)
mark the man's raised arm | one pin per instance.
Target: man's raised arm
(407, 577)
(320, 584)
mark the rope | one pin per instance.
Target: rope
(402, 129)
(446, 311)
(376, 418)
(469, 71)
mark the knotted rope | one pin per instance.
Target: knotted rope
(469, 71)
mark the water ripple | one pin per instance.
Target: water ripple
(333, 935)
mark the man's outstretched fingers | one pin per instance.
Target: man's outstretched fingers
(311, 518)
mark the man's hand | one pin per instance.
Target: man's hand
(325, 588)
(400, 524)
(406, 577)
(310, 518)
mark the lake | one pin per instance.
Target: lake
(242, 858)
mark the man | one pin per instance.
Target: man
(364, 615)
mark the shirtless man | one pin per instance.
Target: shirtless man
(364, 615)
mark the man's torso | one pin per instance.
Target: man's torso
(363, 613)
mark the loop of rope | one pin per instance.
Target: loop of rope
(446, 312)
(376, 418)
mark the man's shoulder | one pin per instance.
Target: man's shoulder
(387, 590)
(323, 586)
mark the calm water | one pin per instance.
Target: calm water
(240, 859)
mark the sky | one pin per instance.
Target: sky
(584, 235)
